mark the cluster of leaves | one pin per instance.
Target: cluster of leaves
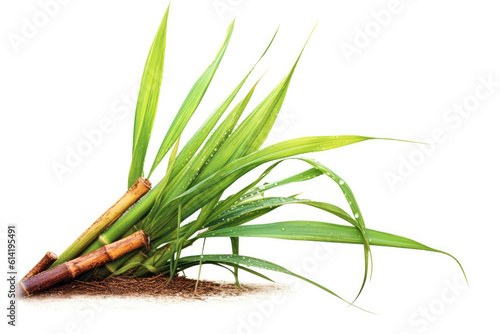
(223, 150)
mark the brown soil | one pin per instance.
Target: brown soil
(153, 287)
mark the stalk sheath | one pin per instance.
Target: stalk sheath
(71, 269)
(138, 189)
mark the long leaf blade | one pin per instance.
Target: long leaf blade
(199, 137)
(257, 263)
(191, 102)
(147, 101)
(323, 232)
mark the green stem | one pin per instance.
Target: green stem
(138, 189)
(125, 222)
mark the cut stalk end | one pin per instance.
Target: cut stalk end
(71, 269)
(47, 260)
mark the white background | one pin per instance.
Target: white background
(81, 64)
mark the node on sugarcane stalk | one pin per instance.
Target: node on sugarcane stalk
(136, 191)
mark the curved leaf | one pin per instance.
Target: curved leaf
(320, 231)
(257, 263)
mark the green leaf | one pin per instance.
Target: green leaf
(320, 231)
(253, 131)
(198, 196)
(188, 175)
(346, 190)
(253, 272)
(191, 102)
(232, 216)
(147, 102)
(134, 265)
(300, 177)
(190, 172)
(256, 263)
(161, 187)
(241, 195)
(201, 194)
(201, 135)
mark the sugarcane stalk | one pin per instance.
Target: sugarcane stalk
(138, 189)
(146, 258)
(71, 269)
(126, 225)
(137, 256)
(47, 260)
(125, 222)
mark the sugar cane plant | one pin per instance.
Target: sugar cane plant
(223, 149)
